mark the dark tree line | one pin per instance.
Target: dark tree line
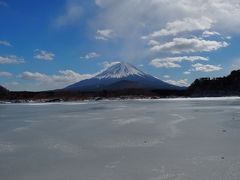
(224, 86)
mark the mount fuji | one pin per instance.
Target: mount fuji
(121, 76)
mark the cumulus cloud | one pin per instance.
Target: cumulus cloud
(187, 72)
(229, 37)
(33, 76)
(133, 19)
(173, 62)
(155, 13)
(107, 64)
(43, 55)
(72, 14)
(152, 42)
(181, 82)
(91, 55)
(64, 77)
(206, 67)
(5, 74)
(166, 76)
(184, 58)
(5, 43)
(11, 59)
(210, 33)
(164, 64)
(189, 45)
(104, 34)
(185, 25)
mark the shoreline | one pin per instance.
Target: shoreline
(60, 101)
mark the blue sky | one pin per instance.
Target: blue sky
(51, 44)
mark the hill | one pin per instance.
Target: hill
(222, 86)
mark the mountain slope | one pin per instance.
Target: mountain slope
(118, 77)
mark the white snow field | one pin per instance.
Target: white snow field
(184, 139)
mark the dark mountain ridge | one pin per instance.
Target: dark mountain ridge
(222, 86)
(3, 90)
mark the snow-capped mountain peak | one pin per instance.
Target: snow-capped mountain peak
(120, 76)
(120, 70)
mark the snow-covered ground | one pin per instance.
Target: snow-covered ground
(170, 139)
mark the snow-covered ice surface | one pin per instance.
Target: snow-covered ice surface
(184, 139)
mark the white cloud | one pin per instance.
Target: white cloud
(153, 43)
(166, 76)
(181, 82)
(72, 14)
(164, 64)
(64, 77)
(185, 25)
(124, 14)
(107, 64)
(104, 34)
(5, 74)
(210, 33)
(229, 37)
(189, 45)
(43, 55)
(5, 43)
(206, 67)
(172, 62)
(91, 55)
(11, 59)
(187, 72)
(184, 58)
(70, 76)
(133, 19)
(33, 76)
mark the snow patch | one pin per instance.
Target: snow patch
(120, 70)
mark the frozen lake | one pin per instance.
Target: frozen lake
(121, 140)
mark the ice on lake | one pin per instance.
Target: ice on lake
(184, 139)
